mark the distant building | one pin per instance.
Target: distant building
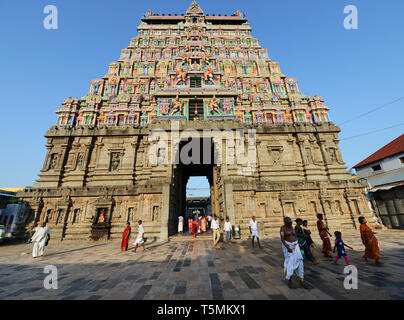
(198, 206)
(13, 214)
(384, 173)
(4, 198)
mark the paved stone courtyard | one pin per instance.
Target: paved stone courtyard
(193, 270)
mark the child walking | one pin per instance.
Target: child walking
(339, 245)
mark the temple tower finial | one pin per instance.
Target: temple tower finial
(194, 8)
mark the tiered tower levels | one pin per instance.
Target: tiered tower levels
(195, 68)
(175, 58)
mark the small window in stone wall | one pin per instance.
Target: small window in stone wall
(402, 160)
(195, 82)
(76, 216)
(376, 168)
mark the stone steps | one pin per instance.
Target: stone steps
(186, 238)
(77, 233)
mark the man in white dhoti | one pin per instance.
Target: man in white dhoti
(39, 239)
(216, 233)
(253, 226)
(180, 224)
(140, 237)
(293, 256)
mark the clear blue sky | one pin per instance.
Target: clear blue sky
(354, 71)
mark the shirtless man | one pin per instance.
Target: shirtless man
(293, 256)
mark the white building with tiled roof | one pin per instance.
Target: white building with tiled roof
(384, 173)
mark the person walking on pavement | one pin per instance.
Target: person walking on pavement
(140, 237)
(215, 227)
(253, 226)
(227, 229)
(40, 240)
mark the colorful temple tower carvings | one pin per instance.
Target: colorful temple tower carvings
(175, 58)
(210, 73)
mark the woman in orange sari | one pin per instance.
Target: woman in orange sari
(125, 237)
(323, 232)
(370, 242)
(195, 227)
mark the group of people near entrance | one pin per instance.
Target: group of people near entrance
(201, 224)
(297, 246)
(196, 224)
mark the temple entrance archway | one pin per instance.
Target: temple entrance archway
(192, 165)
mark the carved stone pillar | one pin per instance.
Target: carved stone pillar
(321, 143)
(165, 212)
(49, 147)
(352, 210)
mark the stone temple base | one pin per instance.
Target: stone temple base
(299, 172)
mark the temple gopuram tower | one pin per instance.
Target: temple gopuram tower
(182, 76)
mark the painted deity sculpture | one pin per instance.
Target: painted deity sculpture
(214, 106)
(177, 107)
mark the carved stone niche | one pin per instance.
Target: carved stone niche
(79, 161)
(115, 160)
(309, 156)
(54, 161)
(275, 154)
(332, 155)
(61, 215)
(102, 205)
(101, 225)
(156, 212)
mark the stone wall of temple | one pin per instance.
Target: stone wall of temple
(276, 151)
(298, 172)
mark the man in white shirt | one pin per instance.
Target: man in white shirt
(140, 237)
(253, 226)
(39, 240)
(227, 229)
(180, 224)
(215, 227)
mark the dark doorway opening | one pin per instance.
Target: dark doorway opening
(195, 82)
(196, 109)
(201, 165)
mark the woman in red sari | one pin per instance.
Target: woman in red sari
(125, 237)
(190, 224)
(195, 227)
(370, 242)
(323, 232)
